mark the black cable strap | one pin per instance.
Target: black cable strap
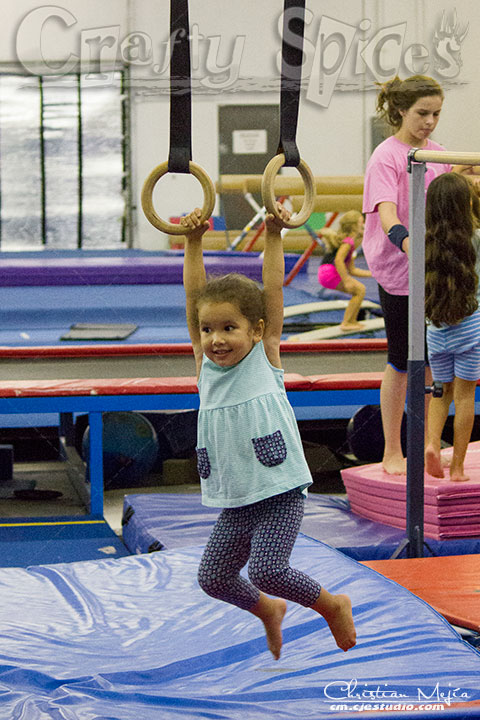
(292, 57)
(180, 89)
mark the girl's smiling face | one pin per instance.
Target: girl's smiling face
(420, 120)
(227, 336)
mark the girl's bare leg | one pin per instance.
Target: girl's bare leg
(357, 291)
(271, 612)
(464, 399)
(393, 392)
(437, 415)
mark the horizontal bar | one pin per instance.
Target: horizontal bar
(445, 156)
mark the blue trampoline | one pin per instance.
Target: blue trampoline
(136, 638)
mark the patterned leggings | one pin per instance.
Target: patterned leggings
(262, 534)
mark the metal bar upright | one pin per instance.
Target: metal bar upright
(416, 362)
(96, 463)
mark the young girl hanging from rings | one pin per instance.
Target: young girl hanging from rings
(338, 271)
(452, 293)
(250, 457)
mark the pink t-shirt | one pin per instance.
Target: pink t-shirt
(386, 180)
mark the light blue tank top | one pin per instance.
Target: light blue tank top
(249, 446)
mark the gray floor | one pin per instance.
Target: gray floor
(53, 476)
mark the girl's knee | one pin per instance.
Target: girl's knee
(207, 582)
(262, 576)
(359, 290)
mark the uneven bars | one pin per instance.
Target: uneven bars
(444, 156)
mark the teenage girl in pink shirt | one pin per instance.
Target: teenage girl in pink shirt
(412, 108)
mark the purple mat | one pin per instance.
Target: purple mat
(137, 270)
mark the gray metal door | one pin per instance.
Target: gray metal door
(248, 139)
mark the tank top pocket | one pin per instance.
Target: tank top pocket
(271, 449)
(203, 463)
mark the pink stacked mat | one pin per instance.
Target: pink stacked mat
(452, 509)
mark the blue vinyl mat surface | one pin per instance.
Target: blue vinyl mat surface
(136, 639)
(41, 314)
(168, 521)
(47, 540)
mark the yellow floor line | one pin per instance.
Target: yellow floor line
(67, 522)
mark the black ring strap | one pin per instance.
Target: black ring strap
(180, 89)
(292, 58)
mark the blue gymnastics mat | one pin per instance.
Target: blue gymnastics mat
(40, 314)
(136, 638)
(166, 521)
(35, 540)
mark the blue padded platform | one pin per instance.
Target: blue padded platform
(136, 638)
(166, 521)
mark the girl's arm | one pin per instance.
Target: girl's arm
(194, 277)
(357, 272)
(273, 276)
(389, 218)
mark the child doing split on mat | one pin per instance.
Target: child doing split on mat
(250, 457)
(338, 270)
(452, 265)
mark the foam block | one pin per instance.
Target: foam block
(451, 509)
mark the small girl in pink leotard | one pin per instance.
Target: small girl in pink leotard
(338, 266)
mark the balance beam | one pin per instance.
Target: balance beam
(330, 203)
(291, 185)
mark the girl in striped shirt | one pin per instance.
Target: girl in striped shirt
(452, 293)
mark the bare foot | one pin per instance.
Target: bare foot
(337, 611)
(458, 475)
(273, 626)
(271, 612)
(349, 326)
(433, 462)
(395, 465)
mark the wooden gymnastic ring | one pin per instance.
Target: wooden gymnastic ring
(268, 191)
(147, 198)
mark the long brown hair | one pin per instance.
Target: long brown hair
(398, 95)
(450, 278)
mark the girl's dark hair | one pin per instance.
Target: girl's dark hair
(237, 289)
(450, 277)
(399, 95)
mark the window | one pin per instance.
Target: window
(64, 180)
